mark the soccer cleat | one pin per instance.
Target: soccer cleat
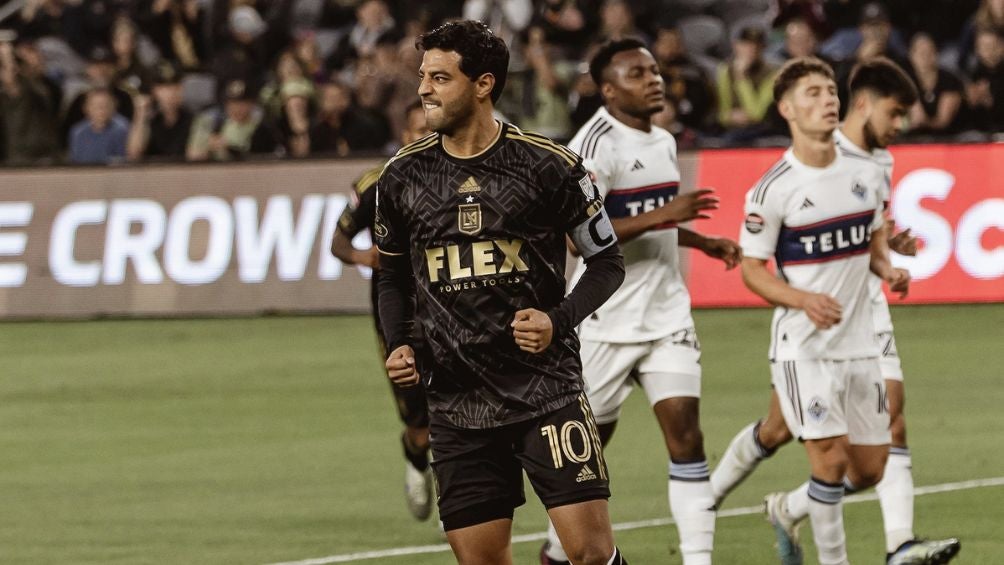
(545, 560)
(925, 552)
(418, 491)
(785, 528)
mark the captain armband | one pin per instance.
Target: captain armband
(595, 234)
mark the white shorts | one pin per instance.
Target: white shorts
(889, 356)
(666, 368)
(822, 399)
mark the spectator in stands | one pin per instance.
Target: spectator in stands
(343, 127)
(161, 125)
(668, 119)
(100, 74)
(811, 12)
(83, 25)
(129, 71)
(874, 36)
(545, 88)
(985, 91)
(585, 97)
(569, 24)
(940, 108)
(295, 117)
(176, 28)
(289, 75)
(744, 84)
(100, 138)
(384, 86)
(309, 55)
(800, 40)
(507, 18)
(373, 19)
(990, 14)
(29, 104)
(617, 22)
(233, 131)
(251, 44)
(686, 84)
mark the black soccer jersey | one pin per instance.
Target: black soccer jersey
(359, 214)
(485, 237)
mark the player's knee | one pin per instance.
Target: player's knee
(686, 444)
(591, 552)
(868, 476)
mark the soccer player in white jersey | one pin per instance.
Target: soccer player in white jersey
(881, 94)
(645, 333)
(818, 214)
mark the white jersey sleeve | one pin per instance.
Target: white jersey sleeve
(764, 215)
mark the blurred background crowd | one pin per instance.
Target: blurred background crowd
(112, 81)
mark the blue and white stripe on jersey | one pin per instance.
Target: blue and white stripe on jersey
(828, 240)
(627, 202)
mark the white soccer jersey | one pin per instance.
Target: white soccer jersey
(636, 172)
(816, 223)
(882, 158)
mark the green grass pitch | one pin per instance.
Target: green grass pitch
(274, 439)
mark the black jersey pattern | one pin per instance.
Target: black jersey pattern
(486, 237)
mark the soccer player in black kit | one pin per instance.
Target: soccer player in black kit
(410, 401)
(471, 224)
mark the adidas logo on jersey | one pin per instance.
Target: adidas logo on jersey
(807, 204)
(637, 165)
(470, 185)
(586, 474)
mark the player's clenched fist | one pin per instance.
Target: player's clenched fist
(401, 366)
(823, 310)
(532, 330)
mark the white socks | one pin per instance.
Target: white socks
(691, 503)
(895, 492)
(826, 512)
(739, 460)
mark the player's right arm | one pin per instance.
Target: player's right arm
(823, 310)
(602, 165)
(759, 239)
(395, 284)
(357, 216)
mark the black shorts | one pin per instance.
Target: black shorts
(480, 472)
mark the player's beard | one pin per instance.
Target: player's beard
(871, 138)
(450, 116)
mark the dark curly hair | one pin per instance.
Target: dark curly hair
(481, 51)
(885, 78)
(601, 60)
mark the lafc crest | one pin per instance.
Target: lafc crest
(469, 218)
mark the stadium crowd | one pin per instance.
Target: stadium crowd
(111, 81)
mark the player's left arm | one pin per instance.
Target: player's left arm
(880, 264)
(585, 221)
(715, 247)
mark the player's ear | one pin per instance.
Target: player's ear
(784, 108)
(606, 91)
(484, 85)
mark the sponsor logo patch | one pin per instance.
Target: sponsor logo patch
(754, 223)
